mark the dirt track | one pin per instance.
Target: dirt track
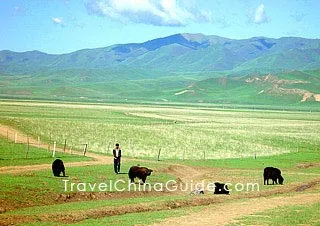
(226, 213)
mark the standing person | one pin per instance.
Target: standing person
(117, 158)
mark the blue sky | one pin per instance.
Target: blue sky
(62, 26)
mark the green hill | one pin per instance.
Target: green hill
(289, 88)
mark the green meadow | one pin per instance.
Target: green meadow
(180, 132)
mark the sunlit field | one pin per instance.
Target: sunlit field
(180, 132)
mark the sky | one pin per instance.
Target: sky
(63, 26)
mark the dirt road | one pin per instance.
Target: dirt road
(226, 213)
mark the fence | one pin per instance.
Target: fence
(83, 148)
(51, 146)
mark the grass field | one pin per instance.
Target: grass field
(237, 145)
(180, 132)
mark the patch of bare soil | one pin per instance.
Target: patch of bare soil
(277, 87)
(188, 173)
(308, 165)
(60, 198)
(306, 96)
(310, 96)
(317, 97)
(185, 91)
(312, 184)
(87, 196)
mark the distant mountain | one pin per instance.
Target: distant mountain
(178, 68)
(178, 53)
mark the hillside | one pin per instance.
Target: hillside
(178, 53)
(295, 87)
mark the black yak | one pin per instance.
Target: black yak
(272, 173)
(221, 189)
(140, 172)
(58, 168)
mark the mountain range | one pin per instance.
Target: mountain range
(164, 68)
(179, 52)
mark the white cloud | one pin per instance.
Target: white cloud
(260, 15)
(155, 12)
(58, 20)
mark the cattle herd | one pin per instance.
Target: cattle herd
(142, 172)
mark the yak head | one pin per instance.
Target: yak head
(149, 172)
(281, 179)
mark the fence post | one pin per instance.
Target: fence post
(28, 146)
(54, 149)
(132, 150)
(85, 149)
(71, 150)
(65, 146)
(38, 142)
(15, 137)
(183, 154)
(204, 154)
(109, 147)
(159, 154)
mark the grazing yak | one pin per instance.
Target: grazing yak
(140, 172)
(272, 173)
(58, 168)
(221, 189)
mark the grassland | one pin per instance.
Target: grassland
(180, 132)
(229, 140)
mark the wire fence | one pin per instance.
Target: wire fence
(83, 148)
(51, 147)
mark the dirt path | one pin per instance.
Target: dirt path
(226, 213)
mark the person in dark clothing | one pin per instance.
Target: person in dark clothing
(117, 158)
